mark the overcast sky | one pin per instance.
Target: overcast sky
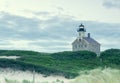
(50, 25)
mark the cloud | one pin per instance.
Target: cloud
(17, 26)
(112, 4)
(38, 13)
(52, 35)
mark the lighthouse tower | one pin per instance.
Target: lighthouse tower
(81, 31)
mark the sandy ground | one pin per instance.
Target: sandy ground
(27, 75)
(9, 57)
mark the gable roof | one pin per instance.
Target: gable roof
(89, 40)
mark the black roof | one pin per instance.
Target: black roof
(81, 29)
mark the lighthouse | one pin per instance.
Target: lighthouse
(83, 42)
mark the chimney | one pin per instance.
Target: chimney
(88, 35)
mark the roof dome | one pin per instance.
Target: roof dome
(81, 26)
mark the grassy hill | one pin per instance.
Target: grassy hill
(66, 63)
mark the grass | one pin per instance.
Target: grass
(66, 63)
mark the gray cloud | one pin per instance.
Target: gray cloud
(58, 32)
(47, 44)
(16, 26)
(43, 13)
(26, 28)
(112, 4)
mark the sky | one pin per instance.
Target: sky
(50, 25)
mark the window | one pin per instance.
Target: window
(80, 40)
(75, 46)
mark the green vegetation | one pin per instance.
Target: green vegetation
(111, 58)
(66, 63)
